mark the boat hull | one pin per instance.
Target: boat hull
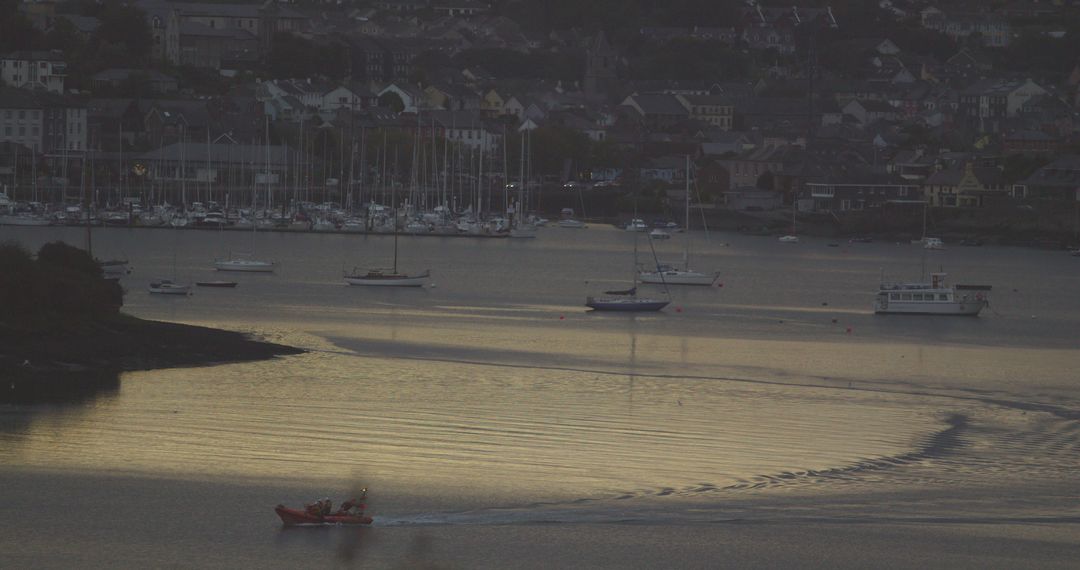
(169, 289)
(24, 221)
(629, 305)
(297, 517)
(245, 266)
(676, 278)
(223, 284)
(388, 280)
(958, 308)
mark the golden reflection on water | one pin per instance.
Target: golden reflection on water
(546, 415)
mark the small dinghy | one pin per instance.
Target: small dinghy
(222, 284)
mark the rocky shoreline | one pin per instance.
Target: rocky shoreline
(73, 363)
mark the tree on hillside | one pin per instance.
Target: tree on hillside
(64, 37)
(125, 25)
(16, 31)
(553, 146)
(296, 57)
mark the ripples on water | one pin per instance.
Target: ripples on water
(496, 385)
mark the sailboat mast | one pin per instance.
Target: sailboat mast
(686, 250)
(393, 220)
(521, 179)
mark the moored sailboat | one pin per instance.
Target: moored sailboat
(626, 300)
(669, 274)
(377, 277)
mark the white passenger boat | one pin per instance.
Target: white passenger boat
(933, 298)
(572, 224)
(637, 225)
(659, 234)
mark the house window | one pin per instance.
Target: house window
(22, 114)
(7, 131)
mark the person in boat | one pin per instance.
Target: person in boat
(325, 506)
(347, 507)
(354, 503)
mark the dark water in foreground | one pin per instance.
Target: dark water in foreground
(772, 422)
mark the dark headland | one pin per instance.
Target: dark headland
(61, 328)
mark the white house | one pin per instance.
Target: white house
(34, 70)
(412, 100)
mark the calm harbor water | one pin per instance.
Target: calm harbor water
(774, 421)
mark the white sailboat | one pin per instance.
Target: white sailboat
(519, 228)
(247, 263)
(928, 242)
(793, 237)
(669, 274)
(169, 286)
(378, 277)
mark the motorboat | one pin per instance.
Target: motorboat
(659, 234)
(572, 224)
(933, 298)
(789, 239)
(168, 287)
(384, 278)
(637, 225)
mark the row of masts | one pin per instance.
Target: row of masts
(368, 167)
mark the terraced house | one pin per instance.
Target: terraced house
(215, 35)
(967, 187)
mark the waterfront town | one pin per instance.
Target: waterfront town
(851, 113)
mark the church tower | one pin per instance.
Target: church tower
(601, 63)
